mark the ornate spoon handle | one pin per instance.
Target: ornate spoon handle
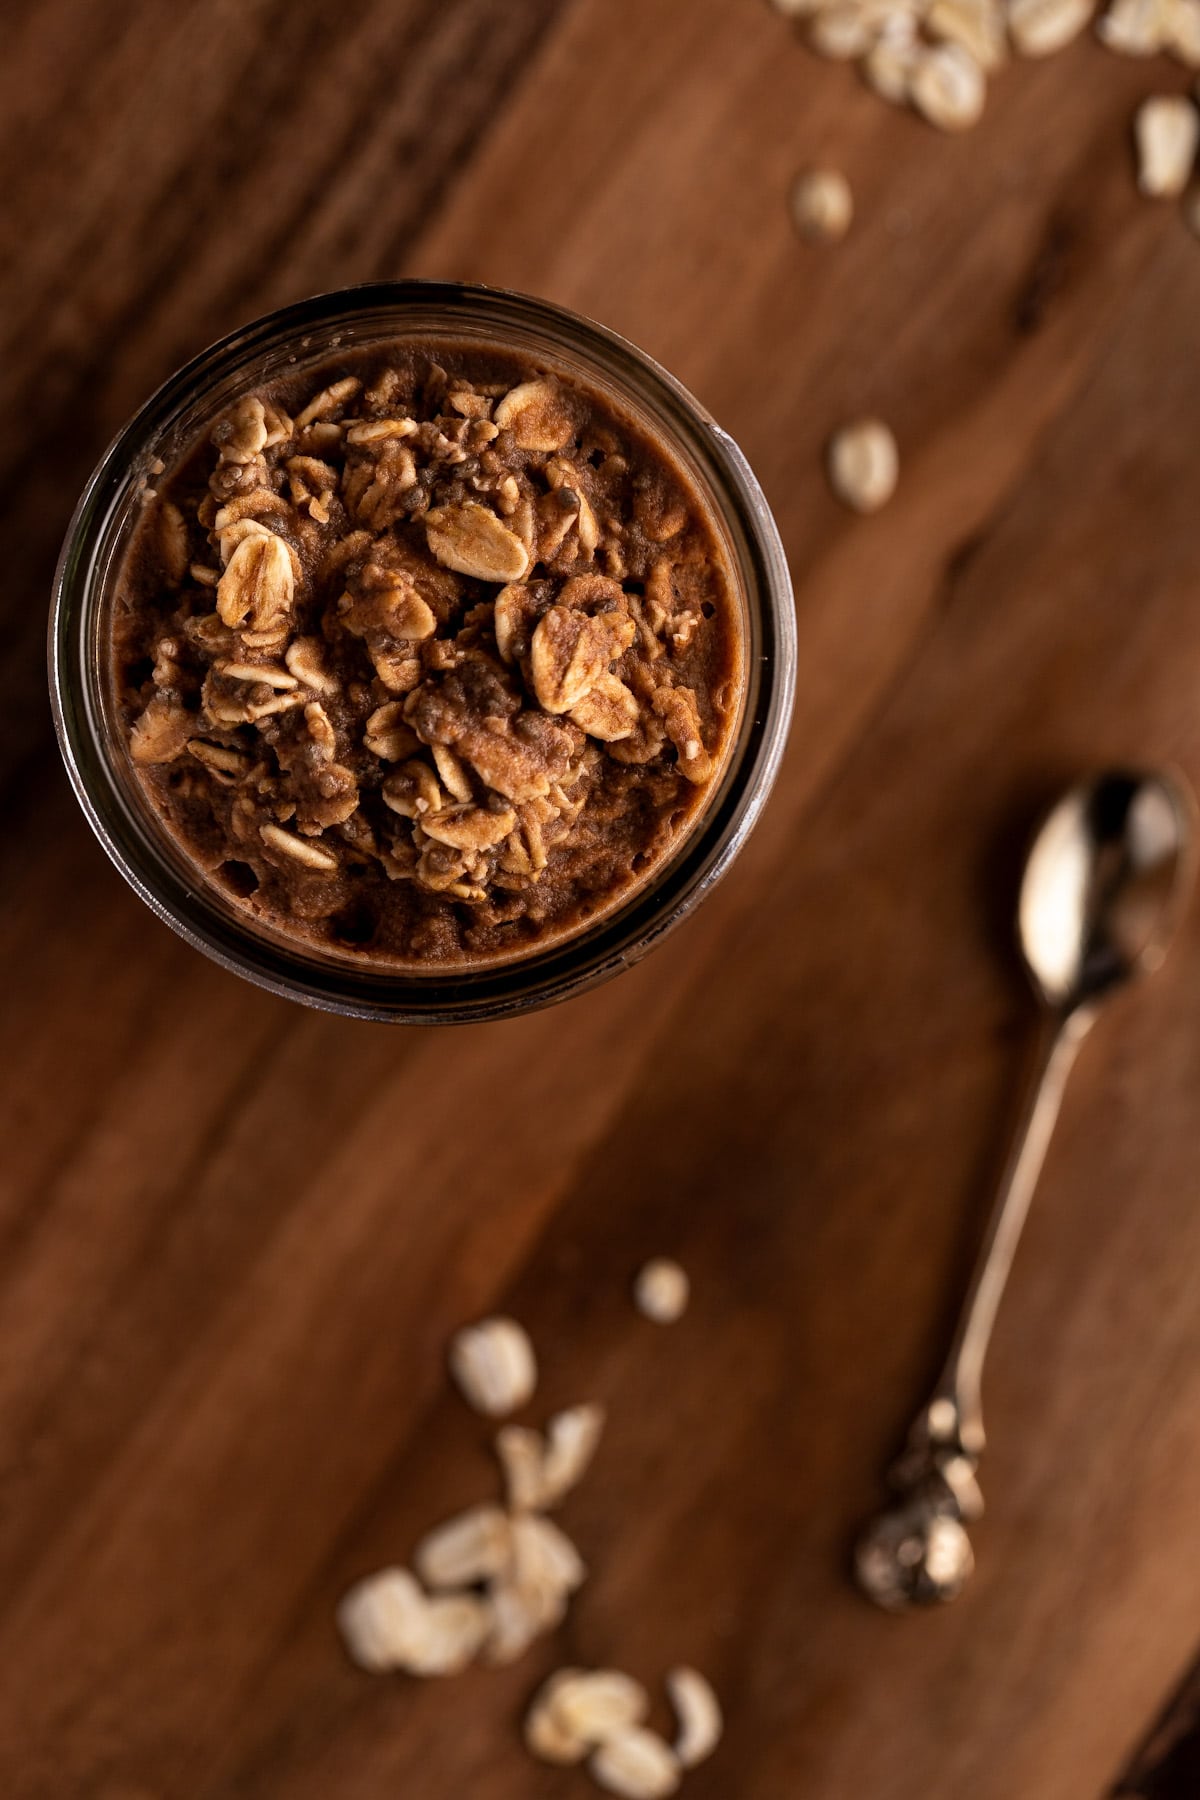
(917, 1550)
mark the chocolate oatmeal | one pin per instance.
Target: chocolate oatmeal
(431, 658)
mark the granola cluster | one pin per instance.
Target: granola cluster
(432, 662)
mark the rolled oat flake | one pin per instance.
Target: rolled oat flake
(699, 1714)
(494, 1366)
(597, 1704)
(976, 25)
(948, 87)
(1133, 27)
(822, 205)
(1041, 27)
(1167, 129)
(662, 1291)
(864, 465)
(636, 1764)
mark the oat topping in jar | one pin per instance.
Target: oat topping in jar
(432, 658)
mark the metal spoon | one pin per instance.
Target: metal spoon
(1103, 890)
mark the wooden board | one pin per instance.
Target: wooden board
(234, 1236)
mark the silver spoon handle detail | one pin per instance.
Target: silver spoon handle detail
(917, 1550)
(961, 1380)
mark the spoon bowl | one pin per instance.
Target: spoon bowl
(1104, 885)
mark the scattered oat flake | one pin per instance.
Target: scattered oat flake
(451, 1632)
(822, 205)
(661, 1291)
(636, 1764)
(546, 1736)
(521, 1454)
(1132, 27)
(1167, 129)
(571, 1440)
(540, 1471)
(699, 1714)
(595, 1704)
(842, 31)
(530, 1596)
(578, 1709)
(1040, 27)
(518, 1614)
(889, 65)
(603, 1710)
(472, 1547)
(976, 25)
(494, 1366)
(1181, 31)
(864, 465)
(543, 1557)
(381, 1618)
(948, 88)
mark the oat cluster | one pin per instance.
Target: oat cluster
(488, 1582)
(936, 56)
(599, 1716)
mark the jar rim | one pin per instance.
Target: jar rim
(566, 965)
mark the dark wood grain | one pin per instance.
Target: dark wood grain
(234, 1236)
(1167, 1766)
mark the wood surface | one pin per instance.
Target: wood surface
(1167, 1765)
(235, 1235)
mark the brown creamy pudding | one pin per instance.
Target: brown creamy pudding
(432, 656)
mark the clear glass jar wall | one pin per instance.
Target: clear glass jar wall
(92, 738)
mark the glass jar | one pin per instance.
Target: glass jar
(93, 741)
